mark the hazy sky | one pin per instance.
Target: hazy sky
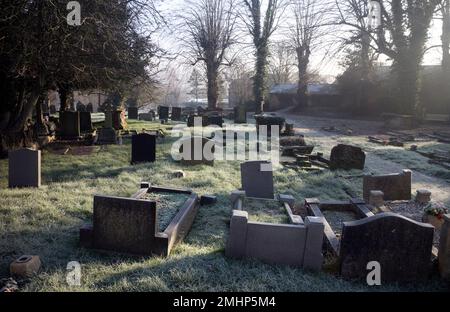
(168, 38)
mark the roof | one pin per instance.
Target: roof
(313, 89)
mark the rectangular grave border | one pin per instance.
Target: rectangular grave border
(162, 242)
(314, 207)
(296, 244)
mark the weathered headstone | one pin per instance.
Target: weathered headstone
(257, 179)
(146, 117)
(69, 124)
(240, 114)
(24, 168)
(215, 120)
(163, 112)
(133, 112)
(176, 113)
(394, 186)
(107, 136)
(108, 119)
(423, 196)
(197, 151)
(143, 148)
(347, 157)
(90, 108)
(444, 249)
(401, 246)
(124, 225)
(86, 122)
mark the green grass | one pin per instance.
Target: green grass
(46, 221)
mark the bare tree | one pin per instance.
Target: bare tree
(281, 65)
(210, 29)
(261, 27)
(310, 16)
(444, 8)
(402, 37)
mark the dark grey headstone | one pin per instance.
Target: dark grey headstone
(197, 151)
(24, 168)
(69, 124)
(86, 122)
(192, 118)
(146, 117)
(133, 112)
(107, 136)
(163, 112)
(240, 114)
(81, 107)
(90, 108)
(347, 157)
(124, 225)
(257, 179)
(401, 246)
(176, 113)
(215, 120)
(143, 148)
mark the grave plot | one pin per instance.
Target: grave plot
(150, 223)
(283, 238)
(402, 246)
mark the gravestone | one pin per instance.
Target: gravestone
(143, 148)
(240, 114)
(52, 109)
(24, 168)
(176, 113)
(107, 136)
(204, 120)
(81, 107)
(401, 246)
(124, 225)
(215, 120)
(197, 151)
(69, 124)
(257, 179)
(133, 113)
(146, 117)
(86, 122)
(90, 108)
(347, 157)
(108, 119)
(393, 186)
(163, 112)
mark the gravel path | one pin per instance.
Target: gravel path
(311, 128)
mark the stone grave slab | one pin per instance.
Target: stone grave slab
(402, 247)
(257, 179)
(143, 148)
(393, 186)
(24, 168)
(347, 157)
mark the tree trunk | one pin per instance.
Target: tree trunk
(407, 71)
(259, 83)
(302, 91)
(213, 88)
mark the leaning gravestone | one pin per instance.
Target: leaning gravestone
(143, 148)
(257, 179)
(394, 186)
(133, 112)
(69, 124)
(24, 168)
(176, 113)
(86, 122)
(163, 112)
(347, 157)
(401, 246)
